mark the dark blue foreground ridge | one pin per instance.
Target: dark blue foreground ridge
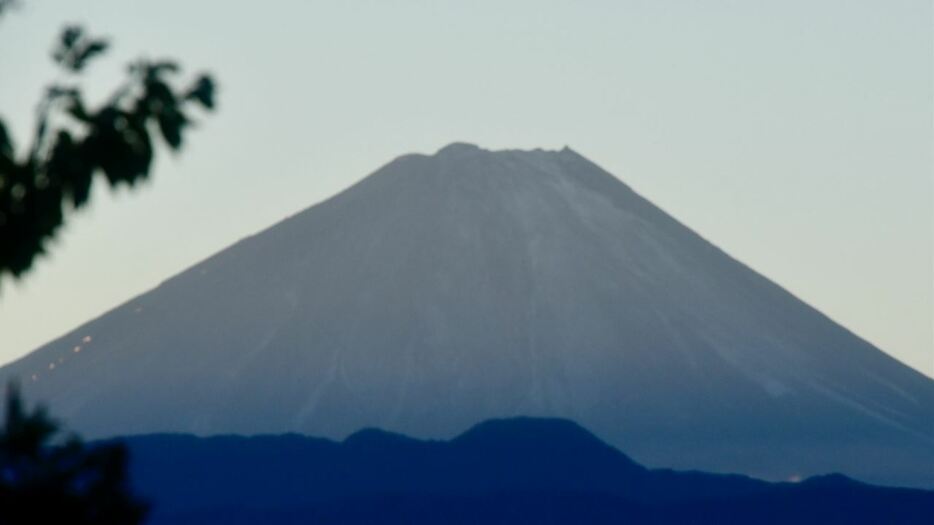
(520, 470)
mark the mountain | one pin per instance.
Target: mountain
(503, 471)
(448, 289)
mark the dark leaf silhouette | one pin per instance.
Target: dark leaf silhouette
(203, 92)
(75, 49)
(6, 4)
(163, 66)
(73, 142)
(6, 146)
(70, 37)
(49, 478)
(171, 123)
(89, 51)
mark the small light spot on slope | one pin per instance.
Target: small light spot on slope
(51, 366)
(76, 349)
(35, 377)
(87, 339)
(795, 478)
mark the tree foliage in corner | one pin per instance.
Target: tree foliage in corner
(73, 143)
(47, 479)
(6, 5)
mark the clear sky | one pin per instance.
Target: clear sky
(795, 134)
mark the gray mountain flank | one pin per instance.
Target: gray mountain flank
(448, 289)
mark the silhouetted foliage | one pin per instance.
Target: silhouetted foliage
(6, 5)
(45, 478)
(72, 143)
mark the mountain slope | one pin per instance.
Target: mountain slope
(502, 471)
(447, 289)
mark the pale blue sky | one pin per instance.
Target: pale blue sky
(796, 135)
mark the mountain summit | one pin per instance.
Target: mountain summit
(448, 289)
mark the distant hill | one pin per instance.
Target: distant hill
(501, 471)
(448, 289)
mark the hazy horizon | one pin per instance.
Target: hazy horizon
(796, 137)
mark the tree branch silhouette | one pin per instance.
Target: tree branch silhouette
(49, 478)
(73, 143)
